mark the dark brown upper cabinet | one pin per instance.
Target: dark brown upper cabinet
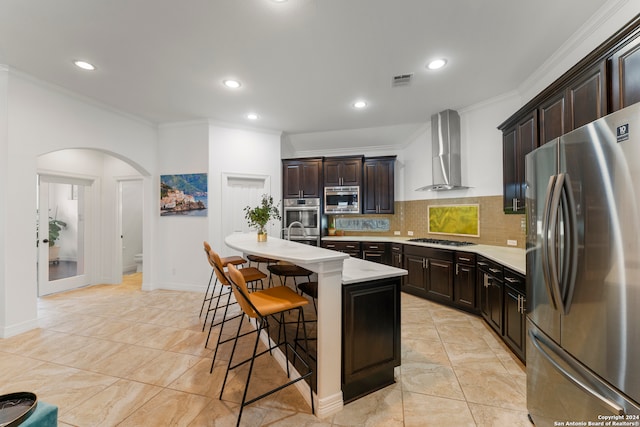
(586, 96)
(343, 171)
(517, 142)
(302, 178)
(378, 190)
(625, 76)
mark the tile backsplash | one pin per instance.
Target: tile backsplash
(412, 216)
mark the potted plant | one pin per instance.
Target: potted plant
(55, 226)
(332, 227)
(260, 215)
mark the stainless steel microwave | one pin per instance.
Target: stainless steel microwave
(342, 200)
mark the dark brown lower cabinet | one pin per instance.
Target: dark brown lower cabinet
(514, 312)
(370, 336)
(464, 282)
(430, 273)
(490, 278)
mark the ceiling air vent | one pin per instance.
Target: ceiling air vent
(401, 80)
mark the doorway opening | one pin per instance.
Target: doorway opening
(80, 198)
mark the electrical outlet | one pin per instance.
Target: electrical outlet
(523, 224)
(396, 233)
(409, 233)
(512, 242)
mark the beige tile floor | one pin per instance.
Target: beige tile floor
(115, 355)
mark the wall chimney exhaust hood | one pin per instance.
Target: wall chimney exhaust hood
(445, 145)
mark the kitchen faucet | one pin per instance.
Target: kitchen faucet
(299, 224)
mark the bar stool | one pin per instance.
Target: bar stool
(235, 260)
(250, 274)
(311, 289)
(260, 305)
(260, 260)
(286, 270)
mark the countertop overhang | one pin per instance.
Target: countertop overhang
(354, 270)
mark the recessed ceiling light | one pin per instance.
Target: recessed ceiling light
(253, 116)
(360, 104)
(437, 63)
(84, 65)
(231, 84)
(278, 1)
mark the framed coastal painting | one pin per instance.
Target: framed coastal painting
(183, 195)
(457, 220)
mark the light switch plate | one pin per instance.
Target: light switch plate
(396, 233)
(512, 242)
(409, 233)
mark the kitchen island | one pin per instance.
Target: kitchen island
(363, 283)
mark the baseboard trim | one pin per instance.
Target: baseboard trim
(13, 330)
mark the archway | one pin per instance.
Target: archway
(101, 223)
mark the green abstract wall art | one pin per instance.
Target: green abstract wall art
(459, 220)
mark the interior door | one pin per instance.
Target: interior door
(62, 233)
(238, 192)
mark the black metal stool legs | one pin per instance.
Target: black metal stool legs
(262, 323)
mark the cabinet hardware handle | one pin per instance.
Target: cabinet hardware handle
(482, 263)
(350, 247)
(373, 247)
(494, 270)
(457, 269)
(465, 259)
(511, 280)
(515, 204)
(519, 310)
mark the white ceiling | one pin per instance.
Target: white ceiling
(302, 63)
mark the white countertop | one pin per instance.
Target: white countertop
(513, 258)
(354, 270)
(274, 247)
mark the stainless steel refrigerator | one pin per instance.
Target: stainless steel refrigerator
(583, 274)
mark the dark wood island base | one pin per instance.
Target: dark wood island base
(370, 336)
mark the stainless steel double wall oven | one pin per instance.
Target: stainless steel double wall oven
(307, 213)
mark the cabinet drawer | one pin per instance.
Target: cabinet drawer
(351, 248)
(515, 280)
(465, 258)
(396, 248)
(373, 246)
(488, 266)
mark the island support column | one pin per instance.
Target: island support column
(329, 358)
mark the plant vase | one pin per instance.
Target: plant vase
(54, 254)
(262, 235)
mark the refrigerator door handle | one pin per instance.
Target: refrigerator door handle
(545, 241)
(570, 263)
(553, 240)
(613, 406)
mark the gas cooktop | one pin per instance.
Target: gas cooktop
(442, 242)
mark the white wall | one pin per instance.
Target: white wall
(183, 148)
(4, 182)
(41, 119)
(240, 151)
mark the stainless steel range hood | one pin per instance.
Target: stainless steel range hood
(445, 145)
